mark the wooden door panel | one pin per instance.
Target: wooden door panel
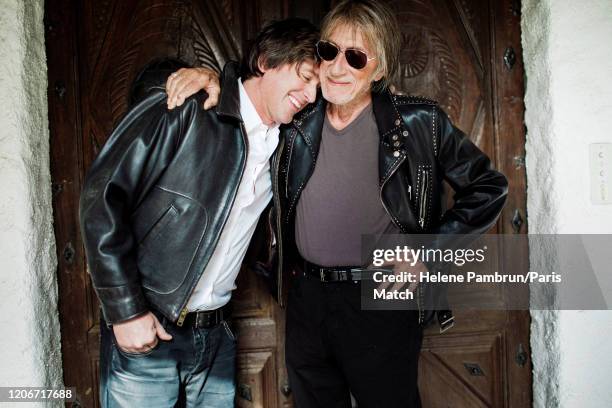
(436, 379)
(471, 363)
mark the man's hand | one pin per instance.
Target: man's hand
(188, 81)
(140, 334)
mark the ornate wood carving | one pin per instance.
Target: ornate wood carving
(101, 15)
(212, 42)
(473, 27)
(434, 64)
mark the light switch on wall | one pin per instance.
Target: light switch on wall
(600, 161)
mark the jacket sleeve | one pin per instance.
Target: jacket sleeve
(133, 158)
(480, 191)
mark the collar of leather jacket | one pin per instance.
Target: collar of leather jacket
(229, 100)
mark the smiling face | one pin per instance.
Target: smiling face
(287, 89)
(342, 84)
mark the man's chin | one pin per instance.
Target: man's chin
(286, 120)
(335, 98)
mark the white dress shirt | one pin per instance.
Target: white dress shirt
(215, 286)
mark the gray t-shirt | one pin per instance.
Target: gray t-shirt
(341, 201)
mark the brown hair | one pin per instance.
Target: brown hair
(289, 41)
(379, 27)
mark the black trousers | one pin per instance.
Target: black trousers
(333, 347)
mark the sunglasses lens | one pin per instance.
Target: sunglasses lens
(356, 59)
(326, 51)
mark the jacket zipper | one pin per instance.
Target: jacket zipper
(391, 172)
(423, 199)
(422, 218)
(279, 239)
(290, 153)
(184, 311)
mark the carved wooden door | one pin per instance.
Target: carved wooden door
(464, 53)
(96, 48)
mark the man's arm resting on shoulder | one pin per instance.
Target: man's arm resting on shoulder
(136, 153)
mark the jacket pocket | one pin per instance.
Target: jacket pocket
(158, 228)
(167, 249)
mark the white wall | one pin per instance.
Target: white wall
(568, 63)
(29, 326)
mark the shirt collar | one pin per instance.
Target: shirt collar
(250, 117)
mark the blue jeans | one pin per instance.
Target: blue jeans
(195, 368)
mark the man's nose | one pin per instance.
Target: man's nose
(310, 92)
(338, 65)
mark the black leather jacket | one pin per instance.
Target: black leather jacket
(156, 198)
(419, 148)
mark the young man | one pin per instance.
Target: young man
(167, 212)
(363, 161)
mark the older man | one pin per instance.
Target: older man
(363, 161)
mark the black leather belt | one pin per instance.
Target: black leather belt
(205, 319)
(337, 273)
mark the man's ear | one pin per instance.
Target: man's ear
(378, 75)
(261, 65)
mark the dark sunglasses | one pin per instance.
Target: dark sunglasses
(328, 51)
